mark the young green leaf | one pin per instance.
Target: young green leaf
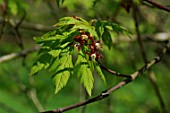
(42, 63)
(100, 73)
(106, 37)
(39, 66)
(66, 21)
(84, 73)
(100, 25)
(63, 72)
(55, 53)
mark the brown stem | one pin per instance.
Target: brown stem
(142, 49)
(158, 5)
(113, 72)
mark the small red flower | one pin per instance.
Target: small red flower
(75, 17)
(85, 39)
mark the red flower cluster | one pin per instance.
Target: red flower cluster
(85, 39)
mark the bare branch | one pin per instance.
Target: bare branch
(17, 54)
(113, 72)
(158, 5)
(35, 27)
(28, 25)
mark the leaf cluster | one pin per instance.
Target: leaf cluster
(57, 49)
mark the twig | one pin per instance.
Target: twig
(143, 52)
(30, 26)
(17, 54)
(157, 91)
(29, 92)
(157, 37)
(135, 9)
(116, 87)
(35, 27)
(158, 5)
(113, 72)
(32, 94)
(16, 30)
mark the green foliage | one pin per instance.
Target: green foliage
(84, 72)
(58, 45)
(105, 28)
(63, 71)
(123, 56)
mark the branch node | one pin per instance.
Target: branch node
(158, 58)
(104, 94)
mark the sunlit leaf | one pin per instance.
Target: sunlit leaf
(89, 29)
(39, 66)
(84, 73)
(55, 53)
(67, 21)
(63, 72)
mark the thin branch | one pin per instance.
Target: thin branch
(18, 24)
(142, 49)
(35, 27)
(28, 25)
(15, 26)
(157, 37)
(113, 72)
(158, 5)
(116, 87)
(152, 78)
(17, 54)
(32, 94)
(29, 92)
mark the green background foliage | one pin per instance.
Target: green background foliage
(122, 56)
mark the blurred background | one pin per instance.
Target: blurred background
(21, 20)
